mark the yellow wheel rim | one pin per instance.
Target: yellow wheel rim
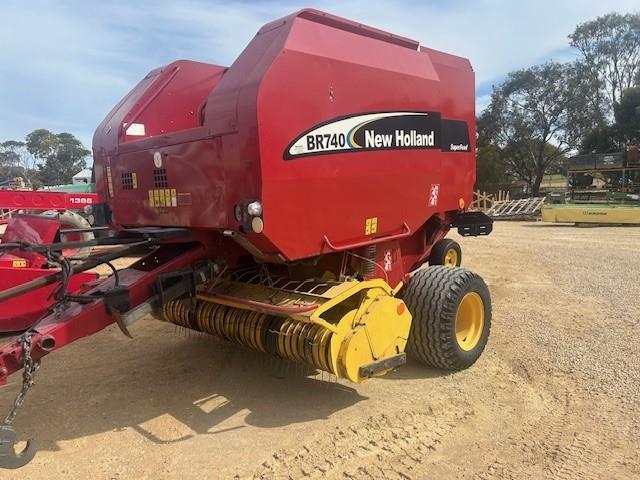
(469, 321)
(451, 258)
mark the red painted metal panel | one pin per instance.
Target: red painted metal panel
(33, 229)
(43, 200)
(173, 102)
(20, 313)
(297, 73)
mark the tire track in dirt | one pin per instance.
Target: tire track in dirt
(387, 446)
(496, 469)
(553, 446)
(567, 455)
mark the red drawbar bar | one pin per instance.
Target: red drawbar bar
(82, 319)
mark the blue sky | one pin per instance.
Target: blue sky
(65, 63)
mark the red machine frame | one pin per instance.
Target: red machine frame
(82, 319)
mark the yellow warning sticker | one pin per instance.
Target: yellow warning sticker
(134, 180)
(371, 225)
(109, 181)
(164, 197)
(19, 263)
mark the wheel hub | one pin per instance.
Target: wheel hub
(451, 258)
(469, 321)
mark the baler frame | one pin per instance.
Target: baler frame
(125, 291)
(174, 265)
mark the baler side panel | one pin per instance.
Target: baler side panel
(105, 138)
(194, 177)
(174, 100)
(325, 73)
(458, 102)
(231, 112)
(298, 73)
(167, 105)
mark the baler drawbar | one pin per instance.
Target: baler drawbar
(295, 203)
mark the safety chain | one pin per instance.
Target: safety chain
(30, 368)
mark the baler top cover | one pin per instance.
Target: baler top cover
(342, 132)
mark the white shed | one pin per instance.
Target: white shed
(83, 176)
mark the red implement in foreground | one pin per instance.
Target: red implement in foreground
(285, 203)
(18, 267)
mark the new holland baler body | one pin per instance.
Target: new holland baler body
(285, 203)
(326, 122)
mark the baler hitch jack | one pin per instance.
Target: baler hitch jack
(8, 457)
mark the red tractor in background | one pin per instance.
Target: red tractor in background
(285, 203)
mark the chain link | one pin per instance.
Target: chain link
(30, 368)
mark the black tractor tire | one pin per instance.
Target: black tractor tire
(446, 252)
(438, 336)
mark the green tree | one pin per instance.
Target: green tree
(532, 118)
(627, 114)
(610, 51)
(13, 161)
(10, 153)
(612, 138)
(62, 155)
(587, 99)
(600, 140)
(491, 169)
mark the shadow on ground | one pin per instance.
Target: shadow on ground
(414, 370)
(109, 383)
(114, 383)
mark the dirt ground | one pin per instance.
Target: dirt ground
(555, 395)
